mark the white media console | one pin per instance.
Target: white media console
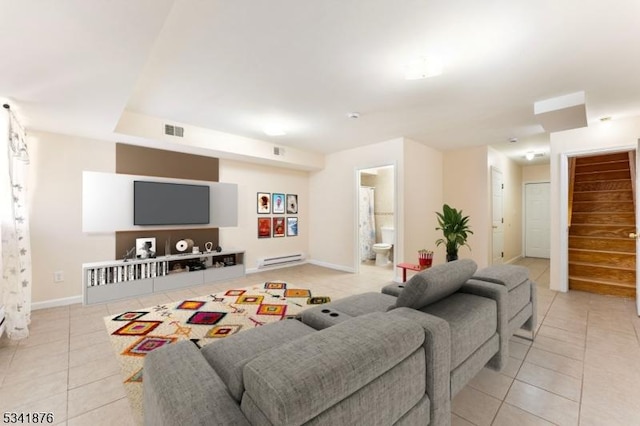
(113, 280)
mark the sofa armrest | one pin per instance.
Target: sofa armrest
(499, 293)
(437, 347)
(181, 388)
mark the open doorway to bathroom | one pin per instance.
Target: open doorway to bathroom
(376, 220)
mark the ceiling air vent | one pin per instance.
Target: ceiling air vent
(172, 130)
(278, 151)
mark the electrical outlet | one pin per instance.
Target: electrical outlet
(58, 276)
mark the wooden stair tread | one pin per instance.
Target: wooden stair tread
(602, 251)
(602, 281)
(619, 268)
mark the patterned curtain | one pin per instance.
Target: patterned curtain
(367, 224)
(15, 289)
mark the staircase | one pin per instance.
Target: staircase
(602, 257)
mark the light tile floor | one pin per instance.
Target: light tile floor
(583, 368)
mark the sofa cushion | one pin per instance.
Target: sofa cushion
(296, 382)
(435, 283)
(472, 320)
(229, 355)
(507, 275)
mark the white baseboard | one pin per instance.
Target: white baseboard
(54, 303)
(332, 266)
(514, 260)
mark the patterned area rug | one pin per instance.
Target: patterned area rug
(203, 320)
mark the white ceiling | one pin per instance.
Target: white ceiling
(74, 66)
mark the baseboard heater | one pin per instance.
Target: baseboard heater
(280, 260)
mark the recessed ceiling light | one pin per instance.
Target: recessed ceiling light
(354, 115)
(529, 156)
(274, 130)
(422, 67)
(605, 119)
(513, 140)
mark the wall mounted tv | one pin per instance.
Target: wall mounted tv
(160, 203)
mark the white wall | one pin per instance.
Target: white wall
(536, 173)
(333, 202)
(55, 193)
(422, 197)
(616, 134)
(466, 186)
(254, 178)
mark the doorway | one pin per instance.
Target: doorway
(497, 221)
(537, 220)
(601, 218)
(376, 220)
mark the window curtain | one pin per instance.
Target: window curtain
(367, 224)
(15, 291)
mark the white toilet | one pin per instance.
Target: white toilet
(382, 249)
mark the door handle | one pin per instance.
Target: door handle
(495, 226)
(633, 235)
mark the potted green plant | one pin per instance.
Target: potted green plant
(455, 230)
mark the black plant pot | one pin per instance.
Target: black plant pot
(452, 257)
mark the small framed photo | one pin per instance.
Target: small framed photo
(264, 202)
(292, 226)
(277, 203)
(292, 203)
(145, 248)
(278, 227)
(264, 227)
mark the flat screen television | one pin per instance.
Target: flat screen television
(160, 203)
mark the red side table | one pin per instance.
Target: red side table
(411, 267)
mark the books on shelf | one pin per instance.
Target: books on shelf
(127, 272)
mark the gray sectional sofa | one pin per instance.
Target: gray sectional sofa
(392, 358)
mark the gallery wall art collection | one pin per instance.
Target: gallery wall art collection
(277, 204)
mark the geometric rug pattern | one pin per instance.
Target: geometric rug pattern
(203, 320)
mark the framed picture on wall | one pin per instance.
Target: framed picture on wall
(277, 203)
(292, 203)
(264, 227)
(278, 227)
(264, 202)
(292, 226)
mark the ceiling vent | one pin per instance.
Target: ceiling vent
(172, 130)
(278, 151)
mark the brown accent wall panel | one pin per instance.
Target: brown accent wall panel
(140, 160)
(127, 239)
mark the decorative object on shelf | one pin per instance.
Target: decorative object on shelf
(277, 203)
(292, 203)
(145, 248)
(182, 246)
(455, 229)
(425, 258)
(218, 249)
(195, 250)
(208, 246)
(278, 227)
(292, 226)
(130, 254)
(264, 227)
(264, 202)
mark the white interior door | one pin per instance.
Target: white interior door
(537, 217)
(497, 225)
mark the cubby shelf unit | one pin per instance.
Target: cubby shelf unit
(114, 280)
